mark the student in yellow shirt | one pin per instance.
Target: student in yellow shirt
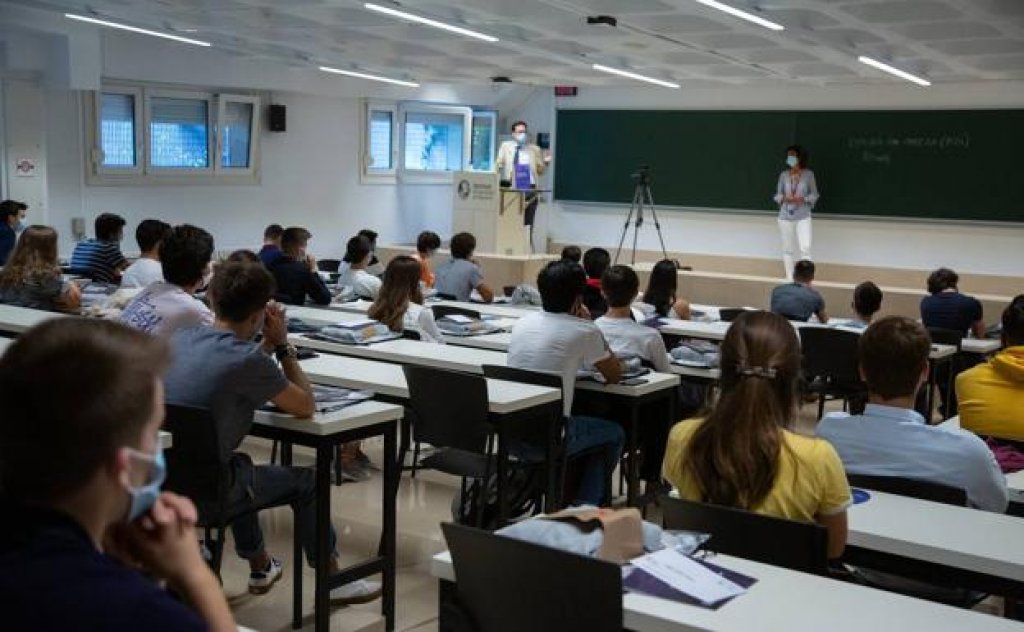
(991, 395)
(743, 454)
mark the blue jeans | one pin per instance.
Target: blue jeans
(582, 434)
(271, 485)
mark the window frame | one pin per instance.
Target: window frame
(212, 158)
(493, 115)
(369, 174)
(138, 130)
(434, 176)
(254, 134)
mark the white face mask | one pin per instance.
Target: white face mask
(520, 138)
(792, 161)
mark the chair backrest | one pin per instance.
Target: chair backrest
(531, 433)
(411, 334)
(924, 490)
(508, 585)
(794, 317)
(328, 265)
(446, 297)
(195, 468)
(729, 314)
(451, 408)
(440, 311)
(942, 336)
(830, 354)
(797, 545)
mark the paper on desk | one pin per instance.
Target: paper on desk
(355, 324)
(459, 318)
(688, 576)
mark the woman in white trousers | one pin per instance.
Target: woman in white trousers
(796, 195)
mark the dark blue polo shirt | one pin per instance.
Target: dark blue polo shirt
(950, 310)
(53, 578)
(7, 239)
(295, 281)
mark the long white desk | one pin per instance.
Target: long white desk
(783, 600)
(489, 309)
(16, 320)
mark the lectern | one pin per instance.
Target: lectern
(492, 213)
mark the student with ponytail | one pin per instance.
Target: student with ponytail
(744, 454)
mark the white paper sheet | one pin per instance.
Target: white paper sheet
(688, 576)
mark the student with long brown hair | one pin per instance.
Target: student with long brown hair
(32, 275)
(399, 303)
(744, 453)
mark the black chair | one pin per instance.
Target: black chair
(440, 311)
(328, 265)
(507, 585)
(729, 314)
(795, 318)
(446, 297)
(946, 372)
(924, 490)
(79, 272)
(196, 469)
(830, 364)
(451, 413)
(411, 334)
(796, 545)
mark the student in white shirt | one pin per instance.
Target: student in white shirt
(147, 269)
(892, 439)
(364, 284)
(166, 306)
(399, 303)
(628, 338)
(561, 340)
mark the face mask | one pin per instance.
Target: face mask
(520, 138)
(144, 496)
(792, 161)
(21, 226)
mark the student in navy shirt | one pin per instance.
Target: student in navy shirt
(295, 271)
(947, 308)
(12, 222)
(271, 249)
(100, 259)
(86, 531)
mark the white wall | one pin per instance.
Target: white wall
(967, 247)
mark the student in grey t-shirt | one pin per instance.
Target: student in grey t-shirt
(459, 276)
(798, 300)
(218, 368)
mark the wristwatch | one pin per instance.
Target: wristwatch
(281, 352)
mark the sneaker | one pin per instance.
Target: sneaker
(363, 460)
(260, 582)
(354, 473)
(359, 591)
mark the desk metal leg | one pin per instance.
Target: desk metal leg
(632, 476)
(286, 453)
(930, 395)
(322, 589)
(552, 500)
(297, 561)
(389, 522)
(502, 473)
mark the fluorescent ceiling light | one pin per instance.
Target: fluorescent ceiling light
(633, 75)
(427, 21)
(902, 74)
(750, 17)
(363, 75)
(135, 29)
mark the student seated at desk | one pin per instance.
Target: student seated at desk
(799, 300)
(87, 534)
(460, 275)
(32, 276)
(867, 300)
(892, 439)
(991, 395)
(561, 340)
(12, 222)
(146, 269)
(374, 265)
(166, 306)
(271, 249)
(595, 262)
(660, 296)
(295, 271)
(220, 369)
(626, 337)
(743, 454)
(399, 303)
(426, 245)
(100, 259)
(946, 308)
(357, 254)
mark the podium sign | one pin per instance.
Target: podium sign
(479, 206)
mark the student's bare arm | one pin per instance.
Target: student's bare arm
(486, 292)
(296, 398)
(610, 368)
(836, 525)
(822, 316)
(978, 328)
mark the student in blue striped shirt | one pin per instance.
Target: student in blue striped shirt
(100, 259)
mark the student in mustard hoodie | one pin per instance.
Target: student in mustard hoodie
(991, 395)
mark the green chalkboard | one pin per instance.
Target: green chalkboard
(941, 164)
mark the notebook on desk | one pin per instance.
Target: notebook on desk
(330, 398)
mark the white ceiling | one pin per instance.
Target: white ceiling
(546, 42)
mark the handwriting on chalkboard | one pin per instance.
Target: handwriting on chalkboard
(937, 141)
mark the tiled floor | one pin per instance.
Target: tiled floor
(423, 503)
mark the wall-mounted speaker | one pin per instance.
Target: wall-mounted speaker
(278, 118)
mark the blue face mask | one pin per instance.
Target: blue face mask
(20, 227)
(792, 161)
(520, 138)
(144, 496)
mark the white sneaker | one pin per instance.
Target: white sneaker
(359, 591)
(260, 582)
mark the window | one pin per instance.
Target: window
(435, 139)
(381, 126)
(379, 148)
(152, 135)
(484, 135)
(179, 133)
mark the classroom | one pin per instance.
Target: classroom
(481, 316)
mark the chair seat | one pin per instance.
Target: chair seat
(458, 463)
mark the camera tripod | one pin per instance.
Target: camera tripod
(642, 198)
